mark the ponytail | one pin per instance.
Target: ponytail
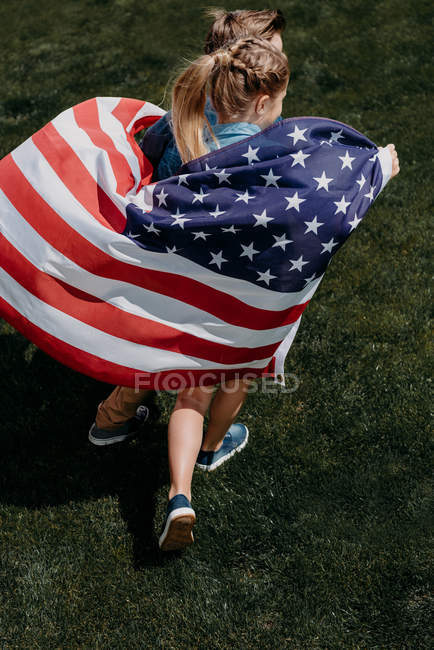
(236, 75)
(188, 106)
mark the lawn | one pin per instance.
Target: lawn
(318, 534)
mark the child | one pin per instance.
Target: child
(121, 415)
(227, 26)
(247, 83)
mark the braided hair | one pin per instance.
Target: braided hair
(233, 76)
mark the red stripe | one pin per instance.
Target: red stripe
(68, 166)
(113, 373)
(126, 109)
(125, 112)
(120, 324)
(76, 247)
(87, 118)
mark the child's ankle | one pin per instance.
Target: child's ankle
(174, 491)
(208, 447)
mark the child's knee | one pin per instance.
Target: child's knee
(197, 399)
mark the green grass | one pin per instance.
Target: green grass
(318, 534)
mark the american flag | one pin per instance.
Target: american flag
(194, 279)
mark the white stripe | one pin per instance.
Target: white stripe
(385, 158)
(282, 351)
(94, 158)
(105, 346)
(97, 162)
(115, 130)
(125, 296)
(53, 191)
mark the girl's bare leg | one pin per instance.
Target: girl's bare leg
(185, 434)
(224, 409)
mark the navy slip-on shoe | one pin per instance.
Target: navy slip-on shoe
(130, 428)
(235, 440)
(177, 530)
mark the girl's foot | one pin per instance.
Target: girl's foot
(178, 526)
(235, 440)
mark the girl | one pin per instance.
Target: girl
(123, 413)
(246, 82)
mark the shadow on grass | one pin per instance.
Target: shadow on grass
(47, 459)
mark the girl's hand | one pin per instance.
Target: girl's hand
(395, 160)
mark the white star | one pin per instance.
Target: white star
(248, 251)
(130, 234)
(265, 276)
(341, 205)
(323, 182)
(299, 158)
(370, 194)
(222, 176)
(162, 197)
(217, 212)
(261, 219)
(281, 241)
(307, 280)
(297, 134)
(326, 142)
(172, 250)
(182, 178)
(374, 157)
(270, 178)
(199, 196)
(217, 259)
(294, 202)
(335, 135)
(312, 226)
(328, 246)
(361, 181)
(200, 235)
(208, 168)
(179, 221)
(346, 160)
(354, 223)
(151, 228)
(231, 229)
(251, 154)
(244, 197)
(298, 264)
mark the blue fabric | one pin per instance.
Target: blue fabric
(293, 195)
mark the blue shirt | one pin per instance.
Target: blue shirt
(229, 133)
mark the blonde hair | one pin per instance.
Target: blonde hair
(235, 75)
(231, 25)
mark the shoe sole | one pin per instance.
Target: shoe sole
(178, 533)
(103, 442)
(210, 468)
(100, 442)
